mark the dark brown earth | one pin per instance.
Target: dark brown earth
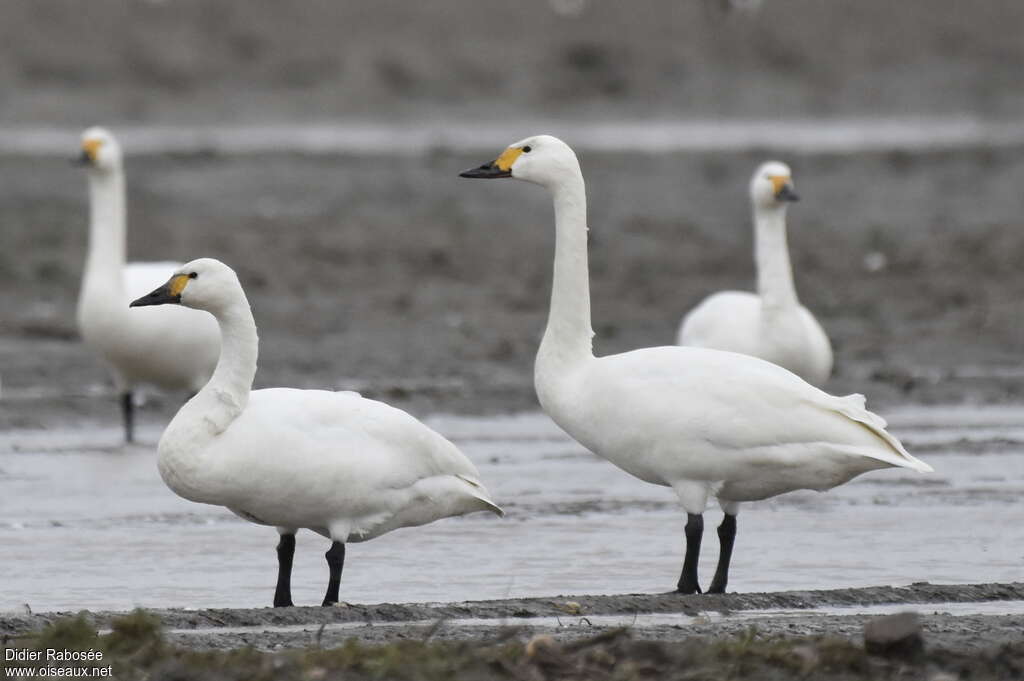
(393, 276)
(915, 596)
(192, 61)
(397, 278)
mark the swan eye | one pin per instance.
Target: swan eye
(527, 150)
(193, 275)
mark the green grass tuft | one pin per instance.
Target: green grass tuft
(71, 633)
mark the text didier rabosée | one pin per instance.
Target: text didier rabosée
(52, 655)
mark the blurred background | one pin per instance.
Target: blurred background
(315, 147)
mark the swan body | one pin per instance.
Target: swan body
(341, 465)
(704, 422)
(124, 338)
(737, 321)
(713, 423)
(771, 324)
(336, 463)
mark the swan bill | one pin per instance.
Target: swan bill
(168, 293)
(782, 187)
(488, 171)
(786, 194)
(90, 152)
(499, 167)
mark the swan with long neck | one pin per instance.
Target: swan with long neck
(704, 422)
(343, 466)
(771, 324)
(123, 338)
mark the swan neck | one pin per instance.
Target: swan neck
(568, 334)
(105, 261)
(774, 272)
(185, 459)
(232, 379)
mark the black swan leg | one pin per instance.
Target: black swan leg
(694, 531)
(335, 561)
(726, 537)
(285, 553)
(128, 411)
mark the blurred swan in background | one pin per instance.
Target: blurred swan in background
(170, 348)
(771, 324)
(346, 467)
(704, 422)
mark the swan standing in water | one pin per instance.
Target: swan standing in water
(771, 324)
(704, 422)
(343, 466)
(189, 341)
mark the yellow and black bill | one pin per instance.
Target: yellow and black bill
(783, 188)
(499, 167)
(90, 148)
(488, 171)
(168, 293)
(786, 194)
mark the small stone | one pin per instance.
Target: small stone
(808, 656)
(875, 261)
(896, 635)
(541, 646)
(943, 676)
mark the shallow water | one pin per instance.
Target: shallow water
(635, 621)
(87, 523)
(817, 135)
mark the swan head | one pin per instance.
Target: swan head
(541, 159)
(204, 284)
(772, 185)
(100, 150)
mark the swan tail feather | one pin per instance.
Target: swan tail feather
(479, 492)
(854, 407)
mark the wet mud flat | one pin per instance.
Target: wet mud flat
(392, 276)
(838, 633)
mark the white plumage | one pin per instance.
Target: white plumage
(771, 324)
(346, 467)
(172, 349)
(704, 422)
(336, 463)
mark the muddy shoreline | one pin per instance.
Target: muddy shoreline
(386, 621)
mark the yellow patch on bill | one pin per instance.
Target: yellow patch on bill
(92, 147)
(778, 182)
(177, 284)
(507, 158)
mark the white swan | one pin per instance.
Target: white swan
(771, 324)
(704, 422)
(127, 340)
(346, 467)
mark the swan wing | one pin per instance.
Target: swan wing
(732, 403)
(329, 448)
